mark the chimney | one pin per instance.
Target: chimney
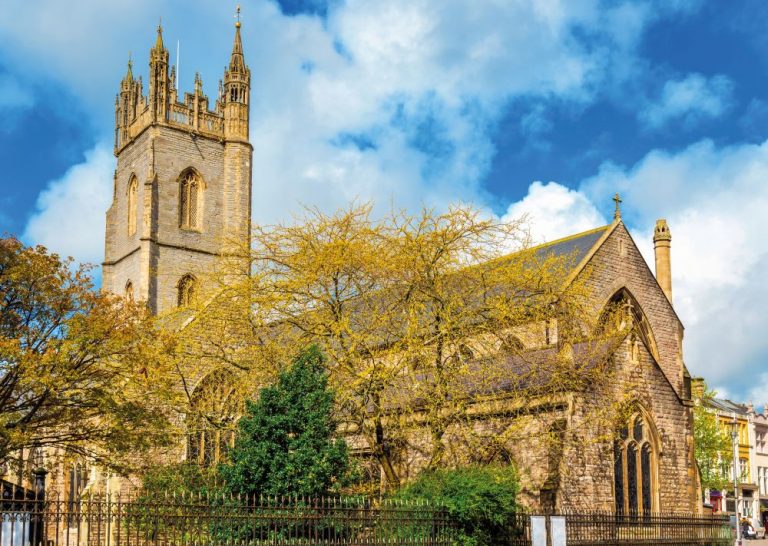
(662, 241)
(698, 388)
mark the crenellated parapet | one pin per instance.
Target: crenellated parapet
(225, 120)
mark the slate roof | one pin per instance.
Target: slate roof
(726, 406)
(575, 246)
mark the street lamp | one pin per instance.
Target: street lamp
(37, 461)
(734, 426)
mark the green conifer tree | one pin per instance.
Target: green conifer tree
(285, 444)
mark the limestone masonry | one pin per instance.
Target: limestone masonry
(182, 187)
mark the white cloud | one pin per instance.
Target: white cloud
(715, 201)
(70, 212)
(555, 211)
(422, 82)
(689, 100)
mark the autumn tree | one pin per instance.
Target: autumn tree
(80, 371)
(420, 317)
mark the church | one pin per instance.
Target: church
(182, 194)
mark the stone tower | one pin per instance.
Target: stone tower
(182, 187)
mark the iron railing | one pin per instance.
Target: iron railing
(606, 528)
(221, 520)
(27, 520)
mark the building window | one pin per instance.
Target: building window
(635, 461)
(215, 406)
(623, 313)
(129, 291)
(187, 290)
(133, 196)
(190, 192)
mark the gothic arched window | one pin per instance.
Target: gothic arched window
(187, 290)
(623, 313)
(129, 291)
(190, 192)
(215, 406)
(635, 464)
(133, 196)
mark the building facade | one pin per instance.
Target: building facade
(760, 465)
(182, 196)
(182, 187)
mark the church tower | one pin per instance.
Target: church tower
(182, 187)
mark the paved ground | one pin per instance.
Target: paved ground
(755, 542)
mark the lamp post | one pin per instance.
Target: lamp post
(734, 425)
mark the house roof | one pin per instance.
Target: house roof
(726, 406)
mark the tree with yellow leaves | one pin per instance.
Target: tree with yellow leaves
(424, 319)
(81, 372)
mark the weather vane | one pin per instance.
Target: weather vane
(237, 15)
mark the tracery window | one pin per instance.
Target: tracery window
(190, 192)
(622, 314)
(133, 195)
(635, 463)
(215, 406)
(187, 290)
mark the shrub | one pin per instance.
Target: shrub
(480, 499)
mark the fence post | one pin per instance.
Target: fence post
(37, 533)
(538, 530)
(557, 531)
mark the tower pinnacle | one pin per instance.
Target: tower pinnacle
(159, 42)
(236, 61)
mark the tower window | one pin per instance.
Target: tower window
(190, 201)
(187, 288)
(133, 194)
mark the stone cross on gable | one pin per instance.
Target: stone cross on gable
(618, 201)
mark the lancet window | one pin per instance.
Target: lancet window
(187, 290)
(190, 206)
(133, 195)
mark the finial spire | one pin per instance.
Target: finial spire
(236, 61)
(129, 74)
(617, 212)
(159, 42)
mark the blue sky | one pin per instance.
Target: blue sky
(545, 108)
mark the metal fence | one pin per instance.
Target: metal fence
(221, 520)
(610, 529)
(26, 520)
